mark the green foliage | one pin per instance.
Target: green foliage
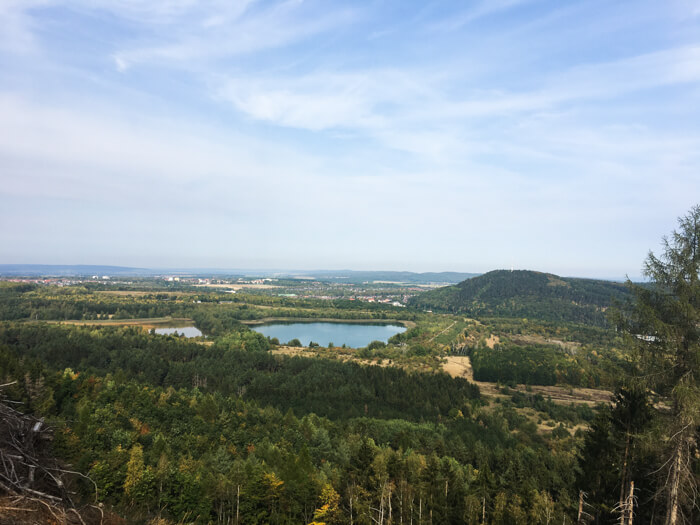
(236, 364)
(204, 431)
(614, 454)
(574, 413)
(663, 327)
(214, 313)
(156, 446)
(526, 294)
(532, 365)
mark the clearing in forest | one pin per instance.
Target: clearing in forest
(460, 366)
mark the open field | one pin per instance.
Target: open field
(569, 346)
(492, 341)
(146, 324)
(341, 354)
(238, 286)
(137, 293)
(460, 366)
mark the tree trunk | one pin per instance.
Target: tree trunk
(389, 506)
(630, 504)
(674, 486)
(238, 502)
(351, 522)
(580, 506)
(623, 480)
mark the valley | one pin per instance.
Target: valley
(447, 396)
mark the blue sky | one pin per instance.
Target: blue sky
(424, 136)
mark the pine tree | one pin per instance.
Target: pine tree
(665, 328)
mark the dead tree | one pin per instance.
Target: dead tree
(31, 479)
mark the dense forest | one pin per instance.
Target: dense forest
(105, 423)
(248, 440)
(526, 294)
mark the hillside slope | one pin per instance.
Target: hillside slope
(528, 294)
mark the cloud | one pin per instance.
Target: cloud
(289, 122)
(475, 12)
(318, 101)
(119, 176)
(212, 36)
(88, 154)
(162, 13)
(182, 33)
(16, 25)
(420, 109)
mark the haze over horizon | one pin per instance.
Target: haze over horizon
(414, 136)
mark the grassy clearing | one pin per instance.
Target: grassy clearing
(138, 293)
(146, 324)
(460, 366)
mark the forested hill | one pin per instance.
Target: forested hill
(524, 293)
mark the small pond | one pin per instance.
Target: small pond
(354, 335)
(187, 331)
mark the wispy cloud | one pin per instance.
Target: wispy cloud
(476, 11)
(16, 25)
(212, 37)
(352, 100)
(278, 123)
(417, 109)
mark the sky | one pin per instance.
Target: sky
(367, 135)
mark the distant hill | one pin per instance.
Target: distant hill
(344, 276)
(65, 270)
(354, 276)
(526, 294)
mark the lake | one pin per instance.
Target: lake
(354, 335)
(187, 331)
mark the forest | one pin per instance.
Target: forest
(233, 427)
(527, 294)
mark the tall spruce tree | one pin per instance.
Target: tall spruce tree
(665, 329)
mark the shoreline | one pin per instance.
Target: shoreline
(269, 320)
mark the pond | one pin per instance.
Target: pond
(354, 335)
(187, 331)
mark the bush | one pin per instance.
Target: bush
(376, 345)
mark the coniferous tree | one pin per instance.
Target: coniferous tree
(664, 326)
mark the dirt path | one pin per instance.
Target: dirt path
(570, 346)
(460, 366)
(442, 332)
(146, 323)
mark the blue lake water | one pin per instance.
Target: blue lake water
(354, 335)
(187, 331)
